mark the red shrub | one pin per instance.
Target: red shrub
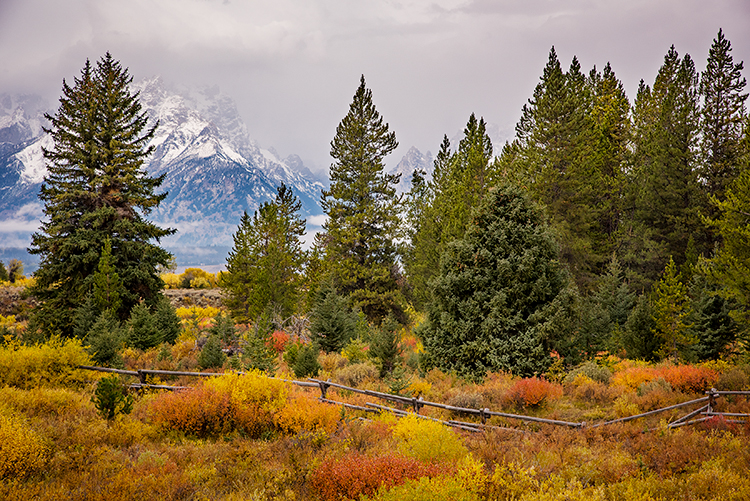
(278, 341)
(356, 474)
(689, 378)
(533, 392)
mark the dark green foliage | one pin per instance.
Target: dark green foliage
(712, 325)
(111, 398)
(440, 209)
(666, 194)
(384, 345)
(223, 328)
(143, 332)
(211, 355)
(605, 312)
(265, 264)
(306, 361)
(591, 370)
(332, 323)
(3, 273)
(638, 339)
(105, 340)
(166, 320)
(96, 188)
(256, 349)
(363, 212)
(495, 291)
(84, 317)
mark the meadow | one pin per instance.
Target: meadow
(254, 437)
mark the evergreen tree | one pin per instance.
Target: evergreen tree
(105, 340)
(167, 322)
(730, 267)
(332, 324)
(667, 199)
(712, 324)
(495, 291)
(385, 345)
(264, 267)
(638, 338)
(722, 117)
(143, 332)
(570, 152)
(107, 283)
(211, 355)
(363, 211)
(460, 181)
(672, 312)
(3, 273)
(96, 188)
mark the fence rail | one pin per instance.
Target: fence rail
(707, 410)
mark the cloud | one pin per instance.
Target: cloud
(317, 220)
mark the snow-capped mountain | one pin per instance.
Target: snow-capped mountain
(214, 171)
(413, 160)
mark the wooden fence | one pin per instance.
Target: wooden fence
(706, 411)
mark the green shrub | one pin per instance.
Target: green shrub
(167, 322)
(144, 333)
(591, 370)
(306, 362)
(211, 355)
(385, 345)
(105, 340)
(332, 323)
(111, 398)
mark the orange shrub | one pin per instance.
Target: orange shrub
(200, 411)
(278, 341)
(689, 378)
(303, 412)
(355, 474)
(533, 392)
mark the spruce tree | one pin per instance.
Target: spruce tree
(363, 211)
(495, 291)
(96, 188)
(264, 267)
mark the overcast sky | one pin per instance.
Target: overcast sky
(293, 66)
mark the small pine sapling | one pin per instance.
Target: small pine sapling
(111, 398)
(211, 354)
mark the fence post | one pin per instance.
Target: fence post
(141, 376)
(711, 400)
(323, 389)
(483, 415)
(416, 404)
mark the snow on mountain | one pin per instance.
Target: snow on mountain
(414, 159)
(213, 170)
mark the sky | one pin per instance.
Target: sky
(292, 66)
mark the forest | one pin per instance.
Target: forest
(591, 271)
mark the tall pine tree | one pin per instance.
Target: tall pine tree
(96, 188)
(264, 268)
(722, 117)
(363, 211)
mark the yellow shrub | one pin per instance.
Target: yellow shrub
(171, 280)
(43, 401)
(196, 312)
(510, 481)
(48, 364)
(303, 412)
(556, 488)
(22, 450)
(428, 440)
(253, 388)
